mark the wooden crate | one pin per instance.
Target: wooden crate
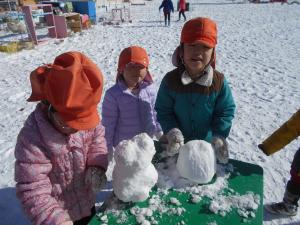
(74, 22)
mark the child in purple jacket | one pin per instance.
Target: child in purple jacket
(128, 106)
(61, 152)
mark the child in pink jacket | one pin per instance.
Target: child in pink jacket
(61, 153)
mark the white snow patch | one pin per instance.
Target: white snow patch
(245, 204)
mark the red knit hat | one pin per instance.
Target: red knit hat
(133, 54)
(200, 30)
(73, 86)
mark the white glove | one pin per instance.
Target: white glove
(175, 141)
(95, 176)
(220, 146)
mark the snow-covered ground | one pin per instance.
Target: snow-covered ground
(258, 51)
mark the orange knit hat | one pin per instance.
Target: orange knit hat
(73, 86)
(200, 30)
(133, 54)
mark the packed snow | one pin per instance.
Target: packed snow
(134, 175)
(197, 161)
(258, 51)
(161, 203)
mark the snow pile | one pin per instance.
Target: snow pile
(210, 190)
(222, 199)
(134, 175)
(221, 203)
(197, 161)
(158, 206)
(246, 204)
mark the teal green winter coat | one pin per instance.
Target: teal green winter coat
(200, 112)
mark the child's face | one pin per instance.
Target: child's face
(133, 74)
(196, 56)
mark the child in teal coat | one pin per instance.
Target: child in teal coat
(194, 100)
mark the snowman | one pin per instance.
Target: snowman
(134, 175)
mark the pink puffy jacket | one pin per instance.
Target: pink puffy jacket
(50, 170)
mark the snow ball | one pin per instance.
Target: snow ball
(175, 201)
(140, 218)
(134, 175)
(197, 161)
(149, 212)
(104, 219)
(145, 222)
(179, 211)
(195, 199)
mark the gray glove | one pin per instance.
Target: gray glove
(95, 176)
(175, 141)
(220, 146)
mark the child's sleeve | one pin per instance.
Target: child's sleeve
(110, 115)
(164, 107)
(97, 154)
(283, 135)
(154, 114)
(33, 186)
(161, 5)
(223, 112)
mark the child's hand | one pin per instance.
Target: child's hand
(220, 146)
(163, 139)
(95, 176)
(175, 141)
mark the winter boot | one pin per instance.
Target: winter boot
(287, 207)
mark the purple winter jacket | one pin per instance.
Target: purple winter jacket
(125, 115)
(50, 170)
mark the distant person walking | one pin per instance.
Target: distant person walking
(182, 8)
(167, 6)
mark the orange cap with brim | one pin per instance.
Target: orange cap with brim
(73, 86)
(200, 30)
(133, 54)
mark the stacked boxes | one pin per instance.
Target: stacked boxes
(86, 7)
(74, 22)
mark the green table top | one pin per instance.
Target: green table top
(244, 178)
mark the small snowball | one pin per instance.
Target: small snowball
(196, 199)
(197, 161)
(175, 201)
(104, 219)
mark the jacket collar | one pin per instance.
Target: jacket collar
(124, 88)
(204, 80)
(53, 139)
